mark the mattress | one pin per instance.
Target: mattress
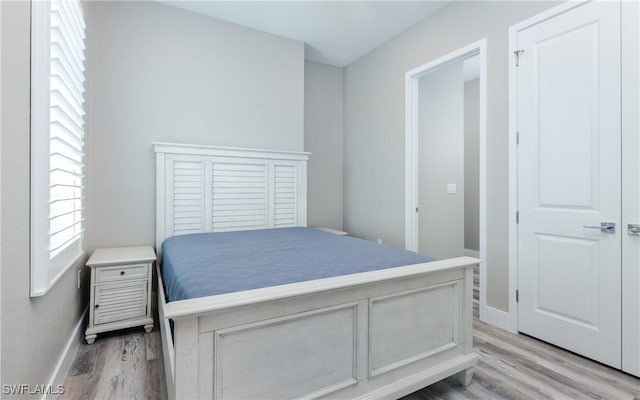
(207, 264)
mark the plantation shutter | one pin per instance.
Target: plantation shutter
(57, 133)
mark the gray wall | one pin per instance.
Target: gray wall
(472, 164)
(34, 331)
(153, 73)
(441, 162)
(374, 120)
(323, 138)
(158, 73)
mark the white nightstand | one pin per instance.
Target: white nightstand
(331, 230)
(120, 289)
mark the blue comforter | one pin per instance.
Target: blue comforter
(208, 264)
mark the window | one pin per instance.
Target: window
(57, 140)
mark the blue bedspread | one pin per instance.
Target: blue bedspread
(207, 264)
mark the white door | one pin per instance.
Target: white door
(569, 166)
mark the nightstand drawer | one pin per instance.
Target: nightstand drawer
(120, 301)
(121, 272)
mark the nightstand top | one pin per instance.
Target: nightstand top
(331, 230)
(121, 255)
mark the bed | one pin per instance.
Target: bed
(256, 305)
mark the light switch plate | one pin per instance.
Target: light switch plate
(451, 188)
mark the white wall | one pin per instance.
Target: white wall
(158, 73)
(374, 120)
(472, 164)
(441, 162)
(323, 138)
(34, 331)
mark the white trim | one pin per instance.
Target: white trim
(472, 253)
(1, 200)
(63, 271)
(496, 317)
(412, 77)
(63, 365)
(512, 229)
(511, 317)
(39, 149)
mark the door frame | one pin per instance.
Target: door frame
(511, 318)
(412, 79)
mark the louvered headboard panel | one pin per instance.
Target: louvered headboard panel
(218, 189)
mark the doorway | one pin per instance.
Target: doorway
(447, 187)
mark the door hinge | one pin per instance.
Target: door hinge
(517, 217)
(517, 138)
(517, 296)
(518, 53)
(417, 210)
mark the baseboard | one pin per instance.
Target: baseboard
(66, 358)
(472, 253)
(498, 318)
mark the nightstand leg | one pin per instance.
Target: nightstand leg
(90, 338)
(148, 328)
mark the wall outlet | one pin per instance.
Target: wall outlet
(452, 188)
(379, 241)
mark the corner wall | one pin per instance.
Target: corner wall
(374, 120)
(159, 73)
(323, 135)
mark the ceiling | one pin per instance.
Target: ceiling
(334, 32)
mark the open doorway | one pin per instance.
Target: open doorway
(446, 159)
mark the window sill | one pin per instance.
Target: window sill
(42, 292)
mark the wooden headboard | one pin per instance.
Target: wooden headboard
(218, 189)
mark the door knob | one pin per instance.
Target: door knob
(605, 227)
(633, 229)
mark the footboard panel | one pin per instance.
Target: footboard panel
(297, 355)
(382, 339)
(409, 326)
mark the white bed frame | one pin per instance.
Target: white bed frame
(380, 334)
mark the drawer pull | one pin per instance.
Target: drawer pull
(121, 272)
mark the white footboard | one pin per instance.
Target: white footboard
(381, 334)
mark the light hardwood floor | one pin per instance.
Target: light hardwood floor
(128, 365)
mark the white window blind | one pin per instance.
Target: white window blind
(57, 140)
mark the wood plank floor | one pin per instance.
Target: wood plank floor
(128, 365)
